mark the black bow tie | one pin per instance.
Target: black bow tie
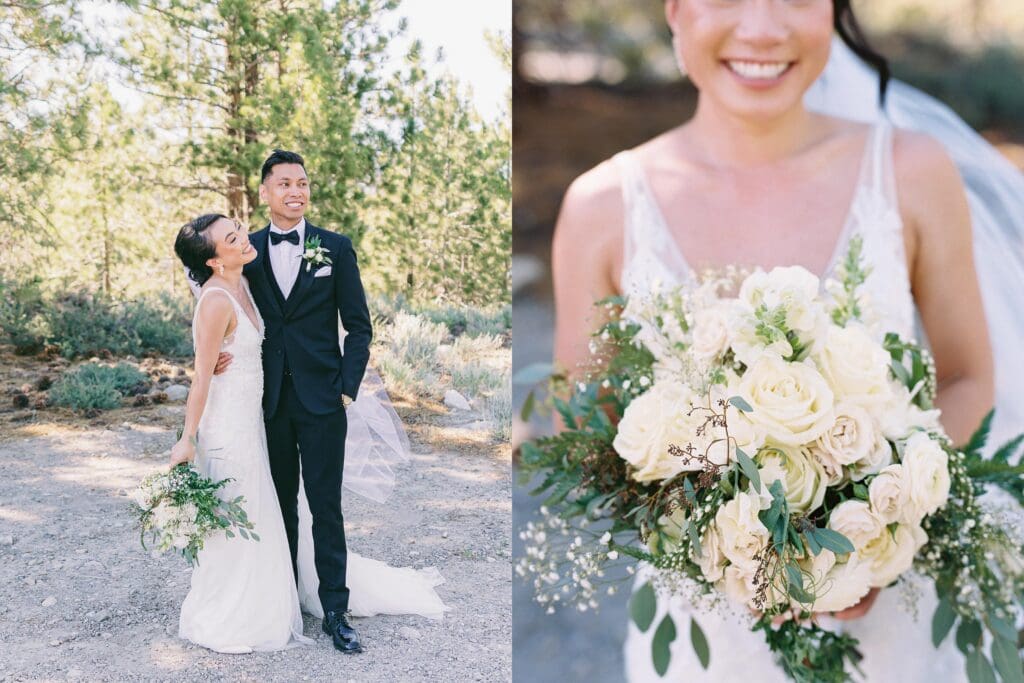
(290, 236)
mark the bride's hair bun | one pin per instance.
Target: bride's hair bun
(194, 248)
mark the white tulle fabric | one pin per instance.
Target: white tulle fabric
(896, 646)
(243, 596)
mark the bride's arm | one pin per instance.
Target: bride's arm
(945, 283)
(211, 327)
(586, 250)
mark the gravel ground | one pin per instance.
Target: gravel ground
(80, 599)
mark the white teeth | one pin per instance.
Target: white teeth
(758, 70)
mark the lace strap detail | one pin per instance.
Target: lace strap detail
(634, 195)
(882, 175)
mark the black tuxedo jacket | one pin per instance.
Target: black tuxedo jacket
(302, 331)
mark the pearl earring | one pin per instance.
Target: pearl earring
(221, 268)
(677, 53)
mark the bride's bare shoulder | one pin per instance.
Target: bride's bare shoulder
(930, 190)
(592, 206)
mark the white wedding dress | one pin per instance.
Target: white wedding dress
(243, 596)
(896, 646)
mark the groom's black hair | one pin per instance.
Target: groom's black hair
(280, 156)
(849, 30)
(194, 248)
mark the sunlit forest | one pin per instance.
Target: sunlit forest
(122, 120)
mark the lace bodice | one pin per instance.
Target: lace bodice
(652, 256)
(236, 390)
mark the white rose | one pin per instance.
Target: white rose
(855, 520)
(654, 421)
(711, 561)
(791, 401)
(163, 514)
(836, 585)
(898, 417)
(741, 533)
(712, 330)
(892, 553)
(803, 478)
(926, 466)
(738, 585)
(793, 287)
(890, 496)
(853, 440)
(856, 367)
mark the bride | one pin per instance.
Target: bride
(244, 594)
(757, 179)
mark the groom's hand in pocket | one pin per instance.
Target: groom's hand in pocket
(223, 361)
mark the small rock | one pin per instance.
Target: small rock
(20, 401)
(54, 643)
(50, 601)
(176, 392)
(102, 616)
(7, 540)
(74, 673)
(409, 633)
(106, 635)
(444, 534)
(454, 399)
(44, 383)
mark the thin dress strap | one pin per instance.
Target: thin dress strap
(237, 308)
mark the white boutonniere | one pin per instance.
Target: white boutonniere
(314, 254)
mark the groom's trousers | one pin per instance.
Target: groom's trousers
(295, 435)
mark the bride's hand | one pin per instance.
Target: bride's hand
(183, 451)
(860, 609)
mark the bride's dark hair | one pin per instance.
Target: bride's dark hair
(194, 248)
(850, 32)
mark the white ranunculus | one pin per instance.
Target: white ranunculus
(876, 460)
(803, 478)
(926, 466)
(712, 330)
(898, 417)
(654, 421)
(741, 533)
(711, 561)
(890, 496)
(855, 520)
(836, 585)
(892, 553)
(856, 367)
(790, 401)
(163, 514)
(834, 473)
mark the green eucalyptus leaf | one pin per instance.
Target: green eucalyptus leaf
(1001, 627)
(663, 637)
(643, 606)
(527, 410)
(748, 468)
(834, 541)
(942, 621)
(741, 404)
(968, 635)
(691, 529)
(979, 670)
(812, 542)
(700, 643)
(1006, 657)
(534, 373)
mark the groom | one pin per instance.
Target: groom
(307, 382)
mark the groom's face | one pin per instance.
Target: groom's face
(286, 193)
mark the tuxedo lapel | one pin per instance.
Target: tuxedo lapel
(304, 279)
(272, 290)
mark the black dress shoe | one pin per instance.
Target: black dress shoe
(345, 638)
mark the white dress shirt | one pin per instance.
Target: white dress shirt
(286, 258)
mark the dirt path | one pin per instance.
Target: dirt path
(80, 599)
